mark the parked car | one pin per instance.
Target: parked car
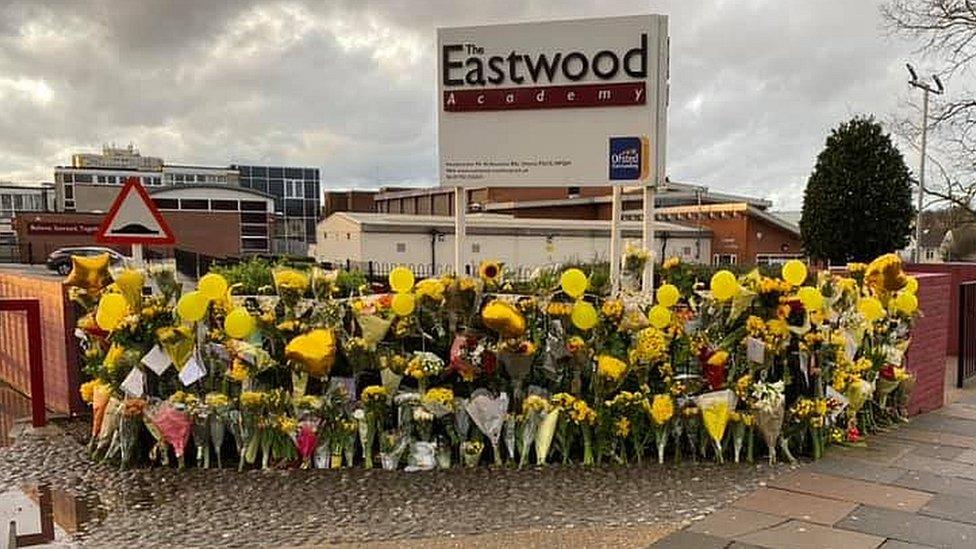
(60, 259)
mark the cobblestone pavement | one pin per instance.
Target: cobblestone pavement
(912, 487)
(618, 505)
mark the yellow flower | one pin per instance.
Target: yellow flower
(442, 396)
(314, 351)
(490, 271)
(613, 309)
(535, 403)
(581, 413)
(112, 357)
(610, 368)
(129, 282)
(307, 402)
(563, 400)
(431, 288)
(88, 389)
(286, 424)
(238, 370)
(375, 393)
(671, 262)
(252, 399)
(622, 427)
(216, 400)
(290, 280)
(558, 308)
(650, 345)
(718, 358)
(662, 409)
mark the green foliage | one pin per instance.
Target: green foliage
(858, 200)
(350, 282)
(252, 274)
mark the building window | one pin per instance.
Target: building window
(194, 204)
(723, 259)
(686, 251)
(253, 206)
(476, 248)
(167, 203)
(294, 188)
(348, 236)
(254, 218)
(573, 192)
(69, 192)
(224, 205)
(401, 247)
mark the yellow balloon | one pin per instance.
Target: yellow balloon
(870, 308)
(402, 304)
(794, 272)
(112, 308)
(724, 285)
(239, 323)
(667, 295)
(906, 302)
(212, 286)
(401, 280)
(192, 306)
(660, 317)
(584, 315)
(811, 298)
(574, 282)
(911, 284)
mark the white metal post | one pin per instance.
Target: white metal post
(647, 236)
(615, 238)
(137, 256)
(460, 211)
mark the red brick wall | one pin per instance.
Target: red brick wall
(59, 347)
(927, 352)
(959, 273)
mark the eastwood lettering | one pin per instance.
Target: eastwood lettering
(475, 70)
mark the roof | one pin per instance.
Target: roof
(503, 225)
(741, 207)
(222, 187)
(674, 191)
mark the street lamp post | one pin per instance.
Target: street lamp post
(926, 90)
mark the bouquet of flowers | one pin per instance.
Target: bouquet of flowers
(769, 405)
(424, 365)
(489, 414)
(517, 357)
(716, 408)
(662, 410)
(471, 452)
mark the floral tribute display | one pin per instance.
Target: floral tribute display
(308, 368)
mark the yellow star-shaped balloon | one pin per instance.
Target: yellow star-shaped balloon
(89, 273)
(313, 351)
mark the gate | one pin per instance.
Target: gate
(967, 333)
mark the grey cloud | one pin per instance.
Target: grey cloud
(349, 85)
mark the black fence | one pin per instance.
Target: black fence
(967, 333)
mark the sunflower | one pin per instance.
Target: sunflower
(490, 271)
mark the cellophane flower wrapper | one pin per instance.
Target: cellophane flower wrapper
(128, 437)
(374, 328)
(769, 421)
(716, 408)
(201, 437)
(884, 387)
(421, 457)
(488, 413)
(527, 430)
(390, 380)
(218, 429)
(462, 421)
(175, 425)
(544, 435)
(159, 450)
(110, 424)
(100, 399)
(517, 366)
(511, 428)
(307, 441)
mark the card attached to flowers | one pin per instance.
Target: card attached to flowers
(156, 360)
(755, 350)
(192, 371)
(134, 384)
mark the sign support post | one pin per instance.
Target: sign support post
(647, 238)
(460, 219)
(137, 255)
(615, 254)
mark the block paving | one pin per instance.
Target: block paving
(913, 486)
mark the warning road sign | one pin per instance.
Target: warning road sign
(134, 219)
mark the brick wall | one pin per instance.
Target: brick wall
(927, 352)
(59, 347)
(959, 273)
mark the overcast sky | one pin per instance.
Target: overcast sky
(349, 86)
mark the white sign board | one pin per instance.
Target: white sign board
(557, 103)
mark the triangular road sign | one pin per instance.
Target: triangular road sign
(134, 219)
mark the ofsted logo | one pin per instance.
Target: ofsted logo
(626, 157)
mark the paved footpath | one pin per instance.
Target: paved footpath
(913, 486)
